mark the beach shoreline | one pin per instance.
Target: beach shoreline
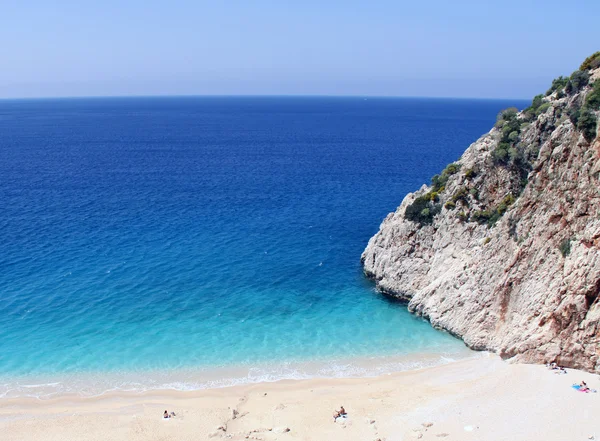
(93, 384)
(483, 398)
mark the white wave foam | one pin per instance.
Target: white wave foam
(98, 384)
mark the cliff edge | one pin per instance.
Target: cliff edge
(502, 249)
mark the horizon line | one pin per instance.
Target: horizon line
(78, 97)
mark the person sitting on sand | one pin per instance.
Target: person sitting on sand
(336, 415)
(339, 413)
(166, 415)
(583, 387)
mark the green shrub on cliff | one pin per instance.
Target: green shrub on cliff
(451, 169)
(425, 207)
(586, 124)
(481, 216)
(509, 125)
(422, 210)
(433, 196)
(537, 107)
(591, 62)
(565, 247)
(578, 80)
(542, 109)
(438, 182)
(574, 113)
(593, 99)
(470, 174)
(508, 200)
(557, 84)
(461, 195)
(491, 216)
(506, 115)
(500, 153)
(583, 117)
(537, 101)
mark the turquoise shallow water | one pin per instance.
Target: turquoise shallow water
(210, 237)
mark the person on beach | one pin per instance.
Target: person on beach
(336, 415)
(583, 387)
(166, 414)
(556, 368)
(339, 413)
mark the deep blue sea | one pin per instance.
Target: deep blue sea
(178, 236)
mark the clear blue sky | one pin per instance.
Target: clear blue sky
(501, 48)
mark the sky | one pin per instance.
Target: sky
(436, 48)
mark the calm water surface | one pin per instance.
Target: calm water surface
(175, 234)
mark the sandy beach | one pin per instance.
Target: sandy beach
(476, 399)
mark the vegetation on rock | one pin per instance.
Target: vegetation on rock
(516, 266)
(425, 207)
(511, 152)
(586, 124)
(557, 84)
(593, 99)
(578, 80)
(565, 247)
(438, 182)
(491, 216)
(470, 174)
(461, 195)
(510, 129)
(422, 210)
(591, 62)
(583, 117)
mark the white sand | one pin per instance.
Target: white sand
(480, 399)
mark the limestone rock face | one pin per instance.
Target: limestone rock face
(528, 285)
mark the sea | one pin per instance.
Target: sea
(194, 242)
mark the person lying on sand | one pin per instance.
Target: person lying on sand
(556, 368)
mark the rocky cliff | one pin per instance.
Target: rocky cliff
(502, 249)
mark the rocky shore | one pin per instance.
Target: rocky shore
(503, 248)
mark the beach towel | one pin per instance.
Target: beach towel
(578, 388)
